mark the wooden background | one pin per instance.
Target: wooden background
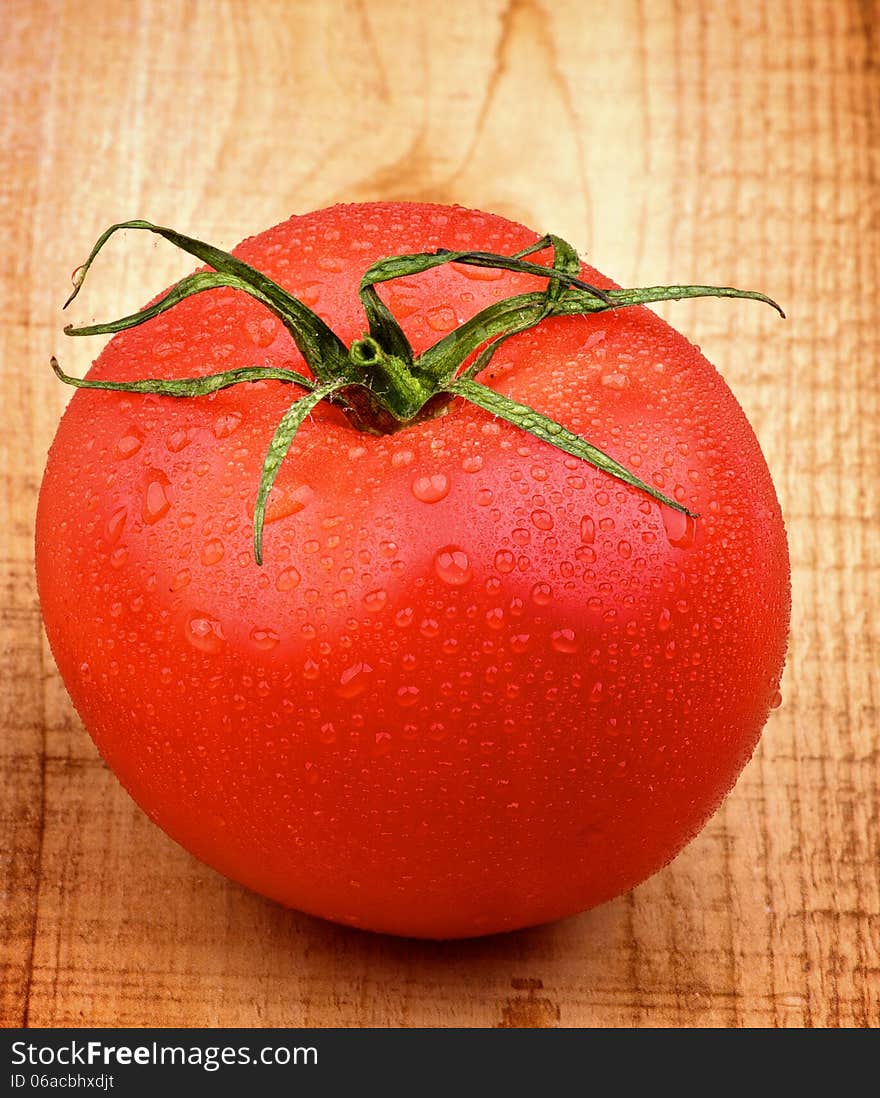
(733, 141)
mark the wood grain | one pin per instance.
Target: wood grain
(733, 141)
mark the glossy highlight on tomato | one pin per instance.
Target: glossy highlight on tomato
(476, 684)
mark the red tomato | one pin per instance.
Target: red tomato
(477, 683)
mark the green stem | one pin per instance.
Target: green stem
(187, 386)
(548, 430)
(443, 360)
(322, 349)
(284, 435)
(388, 378)
(378, 382)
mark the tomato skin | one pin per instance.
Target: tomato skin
(477, 684)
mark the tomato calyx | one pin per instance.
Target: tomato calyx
(379, 381)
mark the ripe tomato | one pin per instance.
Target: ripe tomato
(476, 683)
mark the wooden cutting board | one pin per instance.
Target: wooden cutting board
(732, 142)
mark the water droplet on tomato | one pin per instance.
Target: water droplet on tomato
(565, 640)
(156, 502)
(505, 561)
(441, 318)
(310, 292)
(624, 549)
(407, 696)
(542, 593)
(453, 566)
(130, 443)
(375, 601)
(266, 639)
(776, 700)
(226, 424)
(213, 551)
(431, 489)
(680, 528)
(354, 680)
(588, 530)
(473, 463)
(495, 618)
(286, 501)
(478, 274)
(403, 299)
(288, 579)
(263, 331)
(543, 520)
(177, 441)
(116, 524)
(204, 633)
(664, 619)
(181, 579)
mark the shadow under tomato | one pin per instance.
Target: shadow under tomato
(506, 980)
(507, 943)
